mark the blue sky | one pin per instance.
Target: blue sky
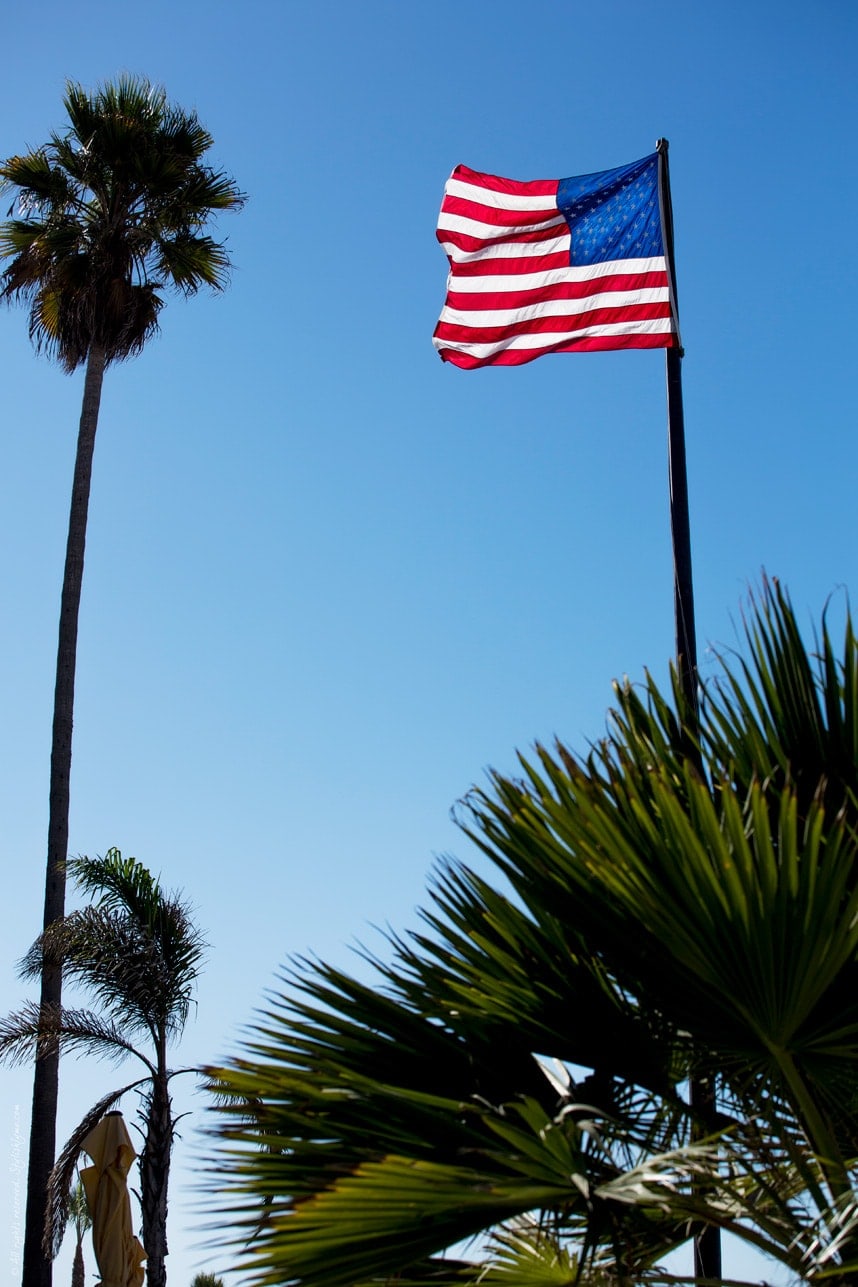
(331, 580)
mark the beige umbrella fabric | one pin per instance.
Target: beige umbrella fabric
(118, 1252)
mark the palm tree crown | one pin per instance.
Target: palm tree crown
(109, 214)
(80, 1219)
(136, 951)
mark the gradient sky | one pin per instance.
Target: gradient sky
(331, 580)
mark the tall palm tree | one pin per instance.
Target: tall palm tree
(79, 1217)
(138, 952)
(521, 1065)
(111, 213)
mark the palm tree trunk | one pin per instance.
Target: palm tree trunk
(154, 1178)
(78, 1271)
(37, 1265)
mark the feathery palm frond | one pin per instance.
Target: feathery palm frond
(46, 1028)
(63, 1197)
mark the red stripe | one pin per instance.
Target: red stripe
(458, 334)
(491, 214)
(469, 243)
(587, 344)
(481, 301)
(532, 188)
(506, 265)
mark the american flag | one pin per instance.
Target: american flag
(553, 266)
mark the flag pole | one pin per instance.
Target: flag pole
(683, 587)
(680, 528)
(707, 1243)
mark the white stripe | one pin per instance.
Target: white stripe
(547, 340)
(554, 307)
(509, 249)
(473, 228)
(532, 281)
(498, 200)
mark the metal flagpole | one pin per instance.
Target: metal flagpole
(683, 589)
(707, 1243)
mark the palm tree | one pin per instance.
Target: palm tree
(138, 952)
(78, 1215)
(111, 213)
(519, 1070)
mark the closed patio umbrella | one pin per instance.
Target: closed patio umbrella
(117, 1251)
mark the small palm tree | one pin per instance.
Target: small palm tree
(111, 213)
(79, 1217)
(518, 1072)
(136, 950)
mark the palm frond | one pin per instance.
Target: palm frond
(36, 1031)
(488, 959)
(61, 1182)
(192, 262)
(706, 901)
(785, 714)
(526, 1253)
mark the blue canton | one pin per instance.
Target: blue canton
(614, 214)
